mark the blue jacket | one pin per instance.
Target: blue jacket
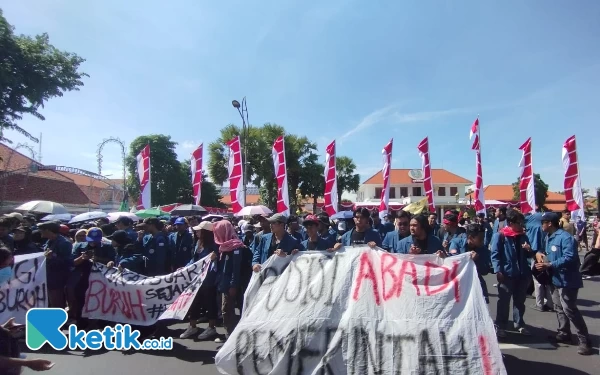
(330, 237)
(104, 253)
(433, 245)
(497, 225)
(561, 251)
(298, 236)
(59, 264)
(533, 225)
(132, 234)
(483, 260)
(213, 270)
(505, 258)
(261, 251)
(371, 235)
(391, 241)
(230, 270)
(180, 255)
(384, 229)
(129, 260)
(322, 244)
(155, 248)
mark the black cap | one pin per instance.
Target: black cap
(52, 226)
(121, 237)
(124, 220)
(550, 216)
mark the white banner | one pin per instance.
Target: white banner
(362, 311)
(130, 298)
(26, 289)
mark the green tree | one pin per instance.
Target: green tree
(540, 189)
(32, 71)
(313, 181)
(210, 195)
(166, 174)
(347, 180)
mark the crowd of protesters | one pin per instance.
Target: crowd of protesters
(521, 250)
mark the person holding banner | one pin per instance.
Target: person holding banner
(421, 239)
(314, 241)
(57, 250)
(230, 273)
(362, 233)
(181, 244)
(125, 253)
(510, 252)
(153, 245)
(474, 243)
(393, 238)
(279, 242)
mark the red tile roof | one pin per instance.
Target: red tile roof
(401, 177)
(505, 193)
(12, 160)
(31, 187)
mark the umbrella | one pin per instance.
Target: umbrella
(151, 212)
(254, 210)
(43, 207)
(342, 215)
(188, 210)
(212, 217)
(114, 216)
(88, 216)
(58, 217)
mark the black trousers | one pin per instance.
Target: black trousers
(590, 265)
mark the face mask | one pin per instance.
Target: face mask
(5, 274)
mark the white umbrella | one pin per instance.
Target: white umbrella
(88, 216)
(342, 215)
(114, 216)
(42, 207)
(254, 210)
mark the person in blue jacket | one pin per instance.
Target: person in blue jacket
(473, 243)
(562, 259)
(325, 230)
(314, 241)
(181, 244)
(153, 245)
(279, 242)
(421, 239)
(383, 227)
(125, 223)
(487, 227)
(362, 233)
(510, 252)
(500, 221)
(537, 241)
(392, 239)
(229, 274)
(126, 257)
(57, 250)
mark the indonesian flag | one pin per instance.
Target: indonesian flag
(387, 165)
(283, 199)
(331, 193)
(143, 169)
(572, 183)
(236, 186)
(479, 199)
(423, 148)
(196, 167)
(527, 182)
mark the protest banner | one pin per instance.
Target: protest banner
(26, 289)
(130, 298)
(363, 311)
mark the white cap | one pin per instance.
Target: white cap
(206, 225)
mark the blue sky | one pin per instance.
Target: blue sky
(356, 71)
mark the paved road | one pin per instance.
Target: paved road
(522, 355)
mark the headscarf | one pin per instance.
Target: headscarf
(226, 237)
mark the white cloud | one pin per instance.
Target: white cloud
(188, 145)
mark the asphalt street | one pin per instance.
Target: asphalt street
(522, 354)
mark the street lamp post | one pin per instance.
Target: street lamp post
(243, 111)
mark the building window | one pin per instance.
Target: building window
(404, 192)
(416, 190)
(441, 191)
(392, 192)
(378, 193)
(453, 191)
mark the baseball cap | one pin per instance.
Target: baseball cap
(94, 235)
(52, 226)
(310, 219)
(277, 218)
(121, 237)
(124, 220)
(180, 221)
(550, 216)
(15, 215)
(206, 225)
(64, 229)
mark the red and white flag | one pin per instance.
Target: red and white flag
(143, 169)
(572, 184)
(479, 199)
(423, 148)
(283, 199)
(196, 167)
(527, 182)
(236, 184)
(331, 193)
(387, 166)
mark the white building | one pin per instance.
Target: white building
(406, 186)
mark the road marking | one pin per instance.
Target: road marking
(543, 346)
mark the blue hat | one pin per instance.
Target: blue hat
(550, 216)
(94, 235)
(180, 221)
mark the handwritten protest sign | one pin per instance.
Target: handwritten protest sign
(362, 311)
(131, 298)
(26, 289)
